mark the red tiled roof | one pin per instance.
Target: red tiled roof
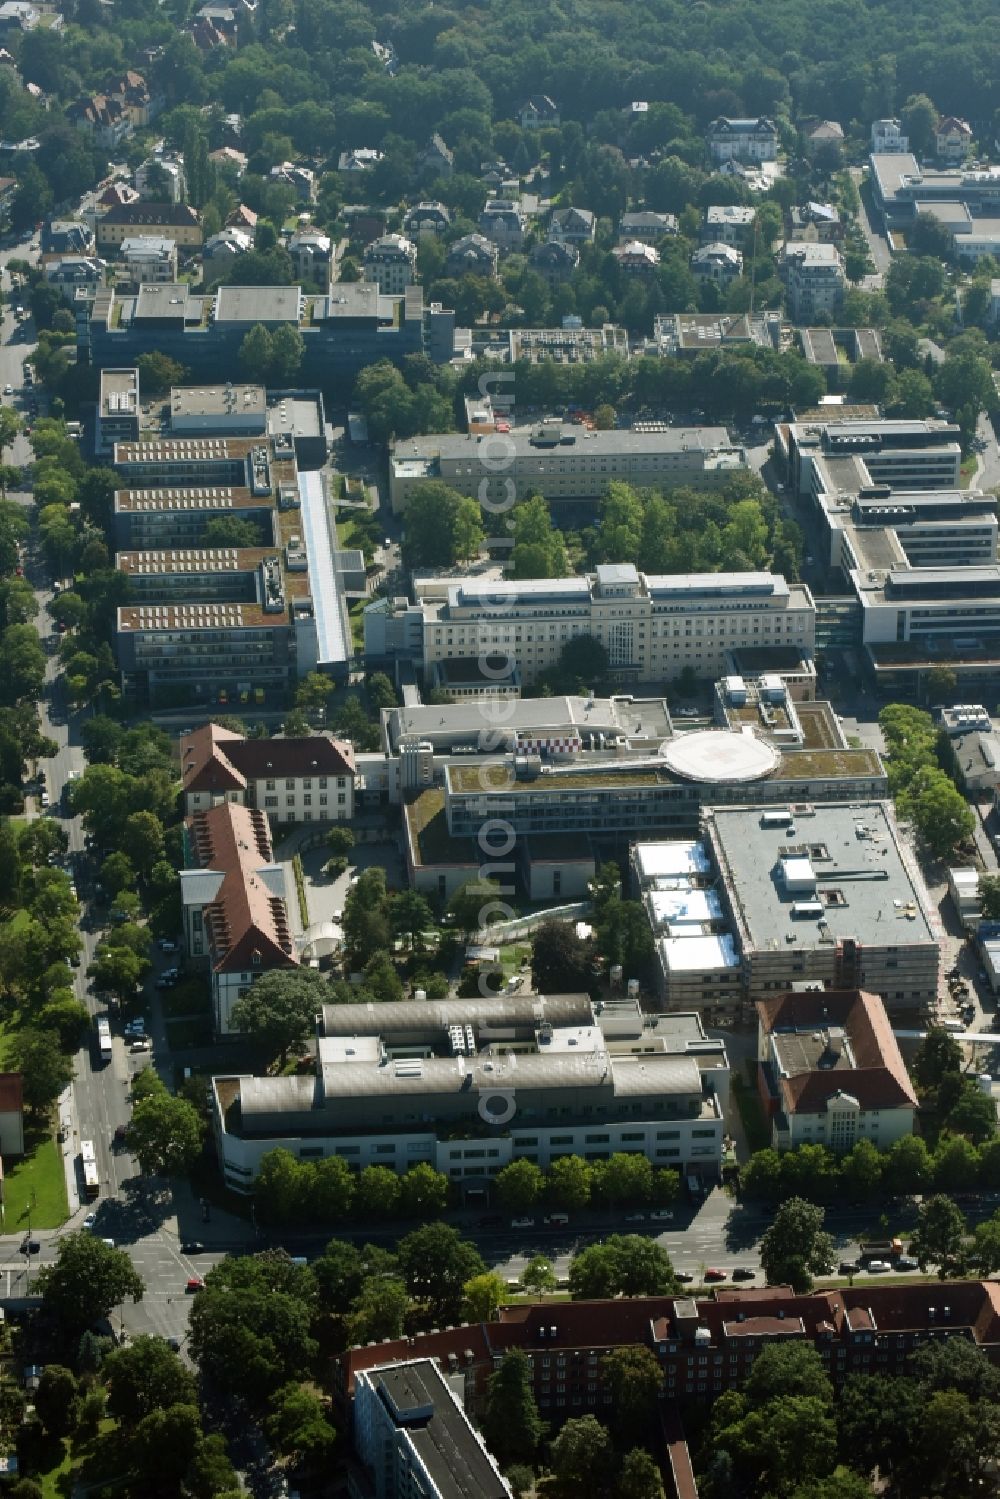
(217, 760)
(247, 925)
(879, 1078)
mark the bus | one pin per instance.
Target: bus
(88, 1157)
(104, 1038)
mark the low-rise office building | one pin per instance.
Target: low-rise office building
(235, 903)
(830, 1072)
(688, 334)
(828, 894)
(220, 652)
(561, 461)
(904, 453)
(469, 1085)
(899, 183)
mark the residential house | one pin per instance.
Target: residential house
(636, 259)
(952, 140)
(830, 1072)
(301, 178)
(538, 112)
(228, 156)
(573, 226)
(823, 138)
(646, 226)
(364, 223)
(176, 221)
(727, 224)
(244, 219)
(73, 272)
(312, 255)
(814, 277)
(115, 195)
(815, 223)
(391, 262)
(504, 222)
(500, 180)
(473, 255)
(888, 138)
(743, 139)
(555, 261)
(149, 259)
(131, 88)
(223, 247)
(67, 237)
(426, 219)
(361, 159)
(721, 264)
(20, 15)
(234, 899)
(11, 1115)
(436, 159)
(102, 116)
(161, 178)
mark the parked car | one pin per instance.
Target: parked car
(849, 1267)
(635, 1217)
(30, 1246)
(167, 944)
(90, 1220)
(907, 1262)
(556, 1220)
(140, 1045)
(662, 1215)
(716, 1275)
(194, 1284)
(684, 1276)
(879, 1267)
(522, 1223)
(743, 1272)
(192, 1246)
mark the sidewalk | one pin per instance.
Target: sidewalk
(67, 1124)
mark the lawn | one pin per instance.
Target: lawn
(78, 1466)
(36, 1184)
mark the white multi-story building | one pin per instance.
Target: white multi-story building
(562, 462)
(814, 276)
(888, 138)
(743, 140)
(292, 780)
(469, 1085)
(727, 224)
(414, 1439)
(721, 264)
(504, 222)
(391, 262)
(652, 627)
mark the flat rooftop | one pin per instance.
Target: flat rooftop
(197, 561)
(119, 392)
(561, 440)
(645, 717)
(866, 883)
(258, 304)
(148, 618)
(808, 1050)
(420, 1402)
(209, 497)
(217, 401)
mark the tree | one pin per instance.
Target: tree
(142, 840)
(280, 1009)
(473, 904)
(639, 1477)
(423, 1192)
(538, 1278)
(939, 1237)
(117, 969)
(937, 1055)
(786, 1369)
(410, 917)
(989, 897)
(251, 1325)
(45, 1070)
(795, 1248)
(985, 1254)
(581, 1458)
(907, 1168)
(582, 666)
(255, 354)
(87, 1278)
(158, 372)
(163, 1447)
(519, 1186)
(144, 1376)
(570, 1182)
(377, 1192)
(634, 1379)
(287, 350)
(440, 526)
(539, 550)
(165, 1134)
(379, 1311)
(940, 812)
(484, 1295)
(560, 960)
(622, 1179)
(623, 1265)
(55, 1398)
(297, 1426)
(861, 1170)
(340, 840)
(231, 531)
(973, 1114)
(512, 1427)
(919, 120)
(436, 1263)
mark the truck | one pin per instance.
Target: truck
(881, 1249)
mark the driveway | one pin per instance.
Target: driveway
(326, 897)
